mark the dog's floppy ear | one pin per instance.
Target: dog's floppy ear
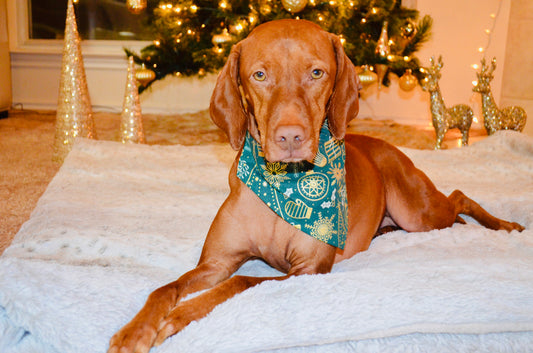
(343, 104)
(226, 108)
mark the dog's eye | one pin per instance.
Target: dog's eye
(259, 76)
(317, 73)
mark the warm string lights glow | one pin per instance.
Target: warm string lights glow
(252, 19)
(483, 49)
(195, 38)
(488, 31)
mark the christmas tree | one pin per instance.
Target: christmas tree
(194, 37)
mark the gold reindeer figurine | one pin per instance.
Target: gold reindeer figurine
(459, 116)
(494, 119)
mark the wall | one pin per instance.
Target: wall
(517, 87)
(459, 29)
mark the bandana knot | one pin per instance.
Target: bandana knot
(310, 196)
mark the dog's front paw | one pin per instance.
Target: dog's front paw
(135, 337)
(172, 324)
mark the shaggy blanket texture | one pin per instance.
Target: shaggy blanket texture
(118, 221)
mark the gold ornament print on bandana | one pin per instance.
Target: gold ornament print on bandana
(310, 196)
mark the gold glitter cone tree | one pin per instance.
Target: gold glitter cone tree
(74, 113)
(131, 125)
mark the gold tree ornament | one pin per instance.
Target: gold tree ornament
(265, 7)
(408, 30)
(408, 81)
(144, 75)
(74, 112)
(294, 6)
(366, 76)
(494, 118)
(136, 6)
(222, 38)
(382, 46)
(131, 124)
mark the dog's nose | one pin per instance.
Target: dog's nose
(290, 137)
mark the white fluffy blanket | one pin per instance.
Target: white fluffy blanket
(119, 221)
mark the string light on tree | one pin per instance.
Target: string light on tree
(195, 38)
(136, 6)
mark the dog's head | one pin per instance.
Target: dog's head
(280, 83)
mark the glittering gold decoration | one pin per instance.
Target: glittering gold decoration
(136, 6)
(382, 46)
(222, 38)
(459, 116)
(381, 70)
(74, 112)
(366, 76)
(131, 124)
(408, 81)
(265, 7)
(298, 209)
(144, 75)
(294, 6)
(508, 118)
(408, 30)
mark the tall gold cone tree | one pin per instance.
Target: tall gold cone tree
(74, 112)
(131, 124)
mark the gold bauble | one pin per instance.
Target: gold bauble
(136, 6)
(366, 76)
(144, 75)
(408, 81)
(294, 6)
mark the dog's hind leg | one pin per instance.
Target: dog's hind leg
(467, 206)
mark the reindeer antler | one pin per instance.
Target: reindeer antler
(441, 64)
(493, 65)
(485, 70)
(435, 67)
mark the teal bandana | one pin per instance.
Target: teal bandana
(310, 196)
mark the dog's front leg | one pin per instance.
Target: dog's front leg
(198, 307)
(139, 334)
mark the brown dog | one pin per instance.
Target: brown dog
(280, 84)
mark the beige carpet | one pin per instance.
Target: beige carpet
(26, 139)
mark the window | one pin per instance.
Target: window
(97, 20)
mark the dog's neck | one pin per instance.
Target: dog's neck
(310, 196)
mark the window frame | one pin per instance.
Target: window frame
(20, 42)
